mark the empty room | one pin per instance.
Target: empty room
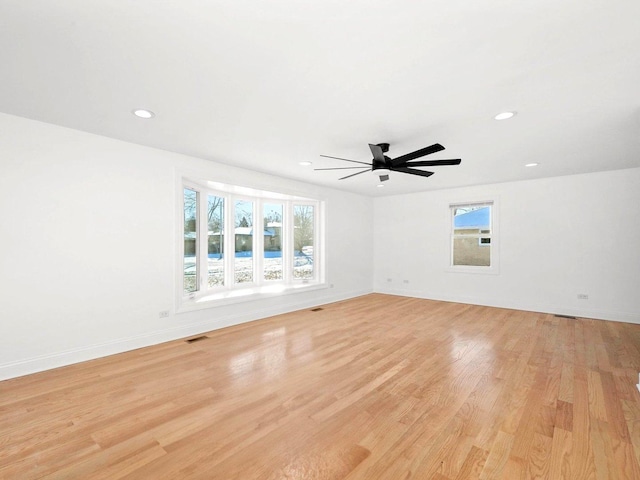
(319, 240)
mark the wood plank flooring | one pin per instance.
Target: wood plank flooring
(378, 387)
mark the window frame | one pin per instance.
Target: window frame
(197, 243)
(292, 246)
(233, 202)
(283, 240)
(230, 292)
(205, 241)
(494, 266)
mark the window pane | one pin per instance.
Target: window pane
(272, 241)
(243, 261)
(215, 237)
(471, 219)
(303, 222)
(190, 229)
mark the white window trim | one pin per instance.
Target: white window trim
(231, 292)
(494, 268)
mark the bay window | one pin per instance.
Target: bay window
(238, 242)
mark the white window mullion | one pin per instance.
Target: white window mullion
(229, 241)
(258, 242)
(287, 242)
(202, 243)
(317, 247)
(319, 251)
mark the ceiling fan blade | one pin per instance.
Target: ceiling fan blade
(377, 152)
(436, 147)
(345, 159)
(354, 174)
(412, 171)
(434, 163)
(384, 178)
(340, 168)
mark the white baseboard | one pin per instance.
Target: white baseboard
(616, 316)
(91, 352)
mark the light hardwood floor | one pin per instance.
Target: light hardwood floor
(378, 387)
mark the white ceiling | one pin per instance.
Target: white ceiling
(265, 85)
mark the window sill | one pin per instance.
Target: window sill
(241, 295)
(473, 270)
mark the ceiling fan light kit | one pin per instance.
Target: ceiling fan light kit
(381, 165)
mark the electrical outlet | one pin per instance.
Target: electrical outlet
(389, 280)
(583, 296)
(405, 281)
(163, 314)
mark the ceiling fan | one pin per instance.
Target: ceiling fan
(382, 165)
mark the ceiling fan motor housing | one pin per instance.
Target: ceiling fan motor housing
(377, 164)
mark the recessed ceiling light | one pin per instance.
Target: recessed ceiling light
(504, 115)
(305, 164)
(380, 185)
(142, 113)
(531, 165)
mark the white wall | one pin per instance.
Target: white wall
(557, 237)
(88, 246)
